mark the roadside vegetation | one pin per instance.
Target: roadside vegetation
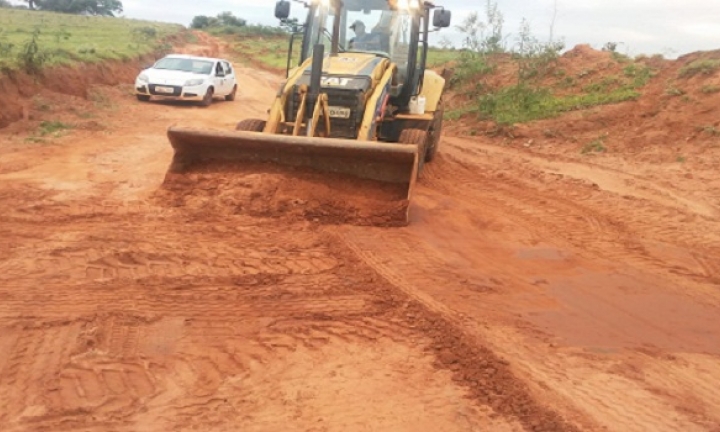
(539, 87)
(31, 40)
(260, 45)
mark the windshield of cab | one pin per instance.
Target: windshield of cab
(371, 26)
(184, 65)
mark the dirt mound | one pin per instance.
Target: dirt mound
(262, 190)
(668, 110)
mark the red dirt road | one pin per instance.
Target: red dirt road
(533, 291)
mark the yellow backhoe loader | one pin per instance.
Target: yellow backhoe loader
(359, 102)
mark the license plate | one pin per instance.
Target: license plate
(339, 112)
(164, 89)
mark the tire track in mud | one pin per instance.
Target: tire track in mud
(405, 261)
(245, 299)
(126, 252)
(688, 381)
(577, 222)
(597, 385)
(564, 375)
(117, 257)
(489, 378)
(37, 354)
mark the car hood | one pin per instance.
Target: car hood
(171, 77)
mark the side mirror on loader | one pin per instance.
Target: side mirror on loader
(282, 9)
(441, 18)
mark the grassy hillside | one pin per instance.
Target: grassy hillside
(64, 39)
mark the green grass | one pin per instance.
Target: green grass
(48, 129)
(519, 104)
(639, 74)
(439, 57)
(700, 67)
(544, 94)
(710, 130)
(66, 39)
(269, 50)
(247, 31)
(52, 128)
(595, 146)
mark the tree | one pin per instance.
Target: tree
(80, 7)
(202, 21)
(229, 20)
(224, 19)
(5, 4)
(291, 25)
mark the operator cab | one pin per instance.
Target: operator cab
(384, 28)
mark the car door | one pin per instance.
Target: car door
(230, 78)
(219, 80)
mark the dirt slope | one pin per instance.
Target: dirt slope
(534, 290)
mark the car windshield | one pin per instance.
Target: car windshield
(185, 65)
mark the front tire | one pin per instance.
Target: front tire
(208, 99)
(418, 137)
(143, 98)
(251, 125)
(435, 134)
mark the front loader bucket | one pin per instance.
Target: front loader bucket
(379, 166)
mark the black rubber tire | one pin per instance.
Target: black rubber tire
(435, 134)
(418, 137)
(251, 125)
(143, 98)
(231, 96)
(208, 99)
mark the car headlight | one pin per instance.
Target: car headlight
(143, 78)
(194, 82)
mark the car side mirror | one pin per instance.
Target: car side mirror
(442, 18)
(282, 9)
(220, 74)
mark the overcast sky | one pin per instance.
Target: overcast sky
(669, 27)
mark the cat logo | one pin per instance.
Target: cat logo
(334, 81)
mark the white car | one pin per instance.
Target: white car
(190, 78)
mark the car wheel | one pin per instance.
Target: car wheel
(231, 96)
(208, 99)
(143, 98)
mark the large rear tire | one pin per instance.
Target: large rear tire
(435, 133)
(251, 125)
(418, 137)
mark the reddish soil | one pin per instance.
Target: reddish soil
(535, 289)
(288, 194)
